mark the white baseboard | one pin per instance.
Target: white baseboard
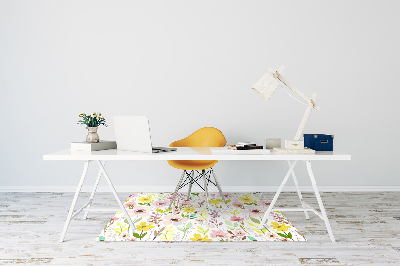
(131, 189)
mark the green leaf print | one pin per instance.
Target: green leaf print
(228, 222)
(255, 220)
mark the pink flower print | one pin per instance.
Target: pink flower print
(256, 212)
(264, 203)
(219, 233)
(129, 204)
(271, 236)
(234, 219)
(160, 203)
(278, 218)
(125, 235)
(285, 239)
(212, 195)
(142, 211)
(185, 203)
(115, 218)
(253, 212)
(228, 195)
(174, 219)
(199, 220)
(133, 195)
(240, 233)
(237, 204)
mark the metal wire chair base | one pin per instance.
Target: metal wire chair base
(189, 180)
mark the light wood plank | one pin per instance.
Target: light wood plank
(366, 226)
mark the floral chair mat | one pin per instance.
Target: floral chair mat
(238, 220)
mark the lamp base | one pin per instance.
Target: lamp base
(293, 151)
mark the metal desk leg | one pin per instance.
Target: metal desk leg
(206, 189)
(299, 192)
(267, 213)
(93, 192)
(321, 205)
(176, 190)
(218, 186)
(190, 185)
(71, 210)
(116, 196)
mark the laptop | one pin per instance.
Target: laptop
(133, 134)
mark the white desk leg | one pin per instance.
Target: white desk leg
(267, 213)
(321, 205)
(93, 192)
(71, 210)
(299, 192)
(116, 196)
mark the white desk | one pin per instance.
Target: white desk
(193, 154)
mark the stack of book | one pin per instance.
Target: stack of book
(98, 146)
(245, 146)
(240, 148)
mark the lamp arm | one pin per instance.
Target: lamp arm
(305, 117)
(293, 88)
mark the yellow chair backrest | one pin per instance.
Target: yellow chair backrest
(204, 137)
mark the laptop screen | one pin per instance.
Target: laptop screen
(132, 133)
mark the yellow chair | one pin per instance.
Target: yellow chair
(204, 137)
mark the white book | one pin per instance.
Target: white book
(86, 146)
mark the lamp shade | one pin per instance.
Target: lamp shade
(266, 86)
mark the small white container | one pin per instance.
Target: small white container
(294, 144)
(271, 143)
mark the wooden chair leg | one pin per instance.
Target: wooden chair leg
(176, 190)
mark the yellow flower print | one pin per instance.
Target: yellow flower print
(145, 199)
(94, 115)
(189, 209)
(246, 199)
(82, 115)
(197, 237)
(215, 201)
(144, 226)
(279, 227)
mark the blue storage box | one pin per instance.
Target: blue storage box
(318, 142)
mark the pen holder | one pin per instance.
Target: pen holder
(271, 143)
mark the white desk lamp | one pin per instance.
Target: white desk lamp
(266, 86)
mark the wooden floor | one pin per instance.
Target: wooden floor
(366, 226)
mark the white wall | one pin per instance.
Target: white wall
(189, 64)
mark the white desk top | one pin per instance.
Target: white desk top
(184, 153)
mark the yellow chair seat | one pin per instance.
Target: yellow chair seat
(191, 164)
(204, 137)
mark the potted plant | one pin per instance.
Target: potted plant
(92, 123)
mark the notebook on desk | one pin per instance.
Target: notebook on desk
(133, 134)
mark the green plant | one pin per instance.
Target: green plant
(93, 120)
